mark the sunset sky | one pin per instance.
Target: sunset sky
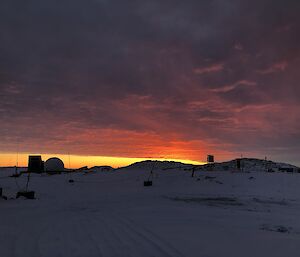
(149, 79)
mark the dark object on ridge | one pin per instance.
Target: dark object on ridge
(251, 178)
(26, 194)
(35, 164)
(238, 164)
(71, 181)
(210, 159)
(147, 183)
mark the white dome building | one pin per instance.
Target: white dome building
(54, 165)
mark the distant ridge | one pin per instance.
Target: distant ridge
(252, 164)
(247, 164)
(164, 165)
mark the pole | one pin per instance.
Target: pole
(28, 178)
(193, 172)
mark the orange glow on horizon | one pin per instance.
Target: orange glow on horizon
(77, 161)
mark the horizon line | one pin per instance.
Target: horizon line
(10, 159)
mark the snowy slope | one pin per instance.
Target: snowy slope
(111, 214)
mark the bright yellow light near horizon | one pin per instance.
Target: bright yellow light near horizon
(77, 161)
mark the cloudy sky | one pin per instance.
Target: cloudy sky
(161, 78)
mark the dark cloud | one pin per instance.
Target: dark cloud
(223, 73)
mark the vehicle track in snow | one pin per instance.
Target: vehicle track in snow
(145, 236)
(87, 233)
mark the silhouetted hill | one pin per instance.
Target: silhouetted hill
(246, 164)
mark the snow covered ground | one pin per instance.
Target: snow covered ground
(112, 214)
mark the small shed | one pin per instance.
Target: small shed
(35, 164)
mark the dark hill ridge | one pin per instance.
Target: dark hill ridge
(247, 164)
(252, 164)
(161, 165)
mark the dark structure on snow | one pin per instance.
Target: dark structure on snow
(54, 165)
(238, 164)
(210, 159)
(35, 164)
